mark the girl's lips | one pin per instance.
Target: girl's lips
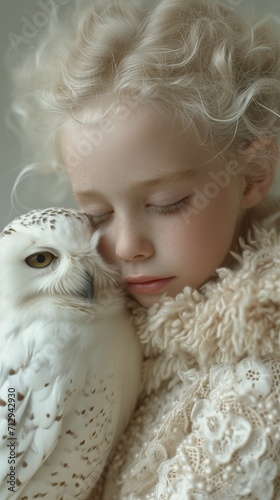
(147, 285)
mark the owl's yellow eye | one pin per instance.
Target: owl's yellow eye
(40, 259)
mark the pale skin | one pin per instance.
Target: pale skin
(138, 184)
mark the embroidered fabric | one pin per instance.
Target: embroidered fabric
(220, 440)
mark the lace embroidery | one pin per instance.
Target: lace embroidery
(252, 376)
(212, 438)
(223, 436)
(256, 478)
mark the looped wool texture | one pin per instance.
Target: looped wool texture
(207, 425)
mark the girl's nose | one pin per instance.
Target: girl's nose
(133, 243)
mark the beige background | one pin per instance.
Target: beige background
(16, 16)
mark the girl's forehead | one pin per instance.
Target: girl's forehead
(120, 117)
(131, 152)
(125, 131)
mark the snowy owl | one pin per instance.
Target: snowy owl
(70, 362)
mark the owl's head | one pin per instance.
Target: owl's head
(50, 258)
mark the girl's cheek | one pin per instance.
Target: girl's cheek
(103, 248)
(106, 248)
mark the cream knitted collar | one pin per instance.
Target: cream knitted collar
(235, 316)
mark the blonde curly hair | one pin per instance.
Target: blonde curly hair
(196, 61)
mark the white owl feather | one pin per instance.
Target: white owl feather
(70, 362)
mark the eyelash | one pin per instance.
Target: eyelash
(164, 210)
(175, 207)
(98, 219)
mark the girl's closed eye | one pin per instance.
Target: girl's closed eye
(173, 207)
(169, 209)
(98, 219)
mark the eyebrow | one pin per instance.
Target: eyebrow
(163, 179)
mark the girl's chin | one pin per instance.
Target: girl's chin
(149, 300)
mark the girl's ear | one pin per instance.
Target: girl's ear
(260, 158)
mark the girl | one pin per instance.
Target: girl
(167, 120)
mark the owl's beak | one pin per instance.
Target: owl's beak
(88, 290)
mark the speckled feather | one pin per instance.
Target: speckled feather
(74, 362)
